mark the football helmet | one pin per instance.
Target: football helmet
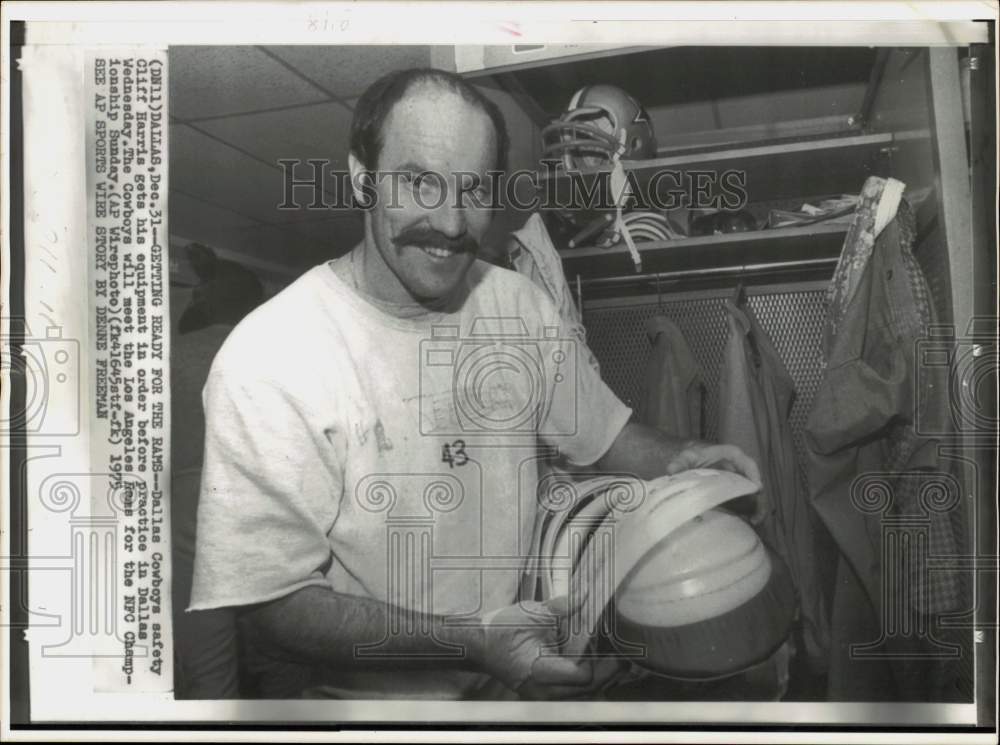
(678, 584)
(709, 601)
(601, 124)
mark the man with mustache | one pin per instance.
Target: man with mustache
(372, 435)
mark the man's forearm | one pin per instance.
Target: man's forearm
(642, 451)
(316, 624)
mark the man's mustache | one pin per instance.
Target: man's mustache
(428, 238)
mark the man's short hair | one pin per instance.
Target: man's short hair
(376, 103)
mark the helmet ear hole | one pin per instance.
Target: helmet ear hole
(635, 144)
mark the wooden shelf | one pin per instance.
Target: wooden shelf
(818, 241)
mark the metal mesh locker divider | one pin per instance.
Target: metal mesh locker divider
(792, 315)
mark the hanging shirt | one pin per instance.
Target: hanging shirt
(673, 396)
(534, 256)
(756, 393)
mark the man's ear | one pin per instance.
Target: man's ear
(362, 182)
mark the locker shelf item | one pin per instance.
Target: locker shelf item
(819, 241)
(776, 170)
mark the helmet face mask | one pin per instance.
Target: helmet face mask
(602, 124)
(579, 144)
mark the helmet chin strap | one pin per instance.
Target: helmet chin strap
(620, 188)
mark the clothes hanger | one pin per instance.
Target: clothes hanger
(739, 299)
(739, 296)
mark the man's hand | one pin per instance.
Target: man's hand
(708, 455)
(728, 458)
(507, 644)
(520, 648)
(646, 452)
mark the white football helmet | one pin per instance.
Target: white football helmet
(602, 123)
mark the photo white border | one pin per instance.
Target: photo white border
(218, 23)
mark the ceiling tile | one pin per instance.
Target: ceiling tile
(346, 71)
(319, 131)
(197, 213)
(196, 220)
(203, 167)
(210, 81)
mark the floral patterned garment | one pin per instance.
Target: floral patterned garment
(858, 246)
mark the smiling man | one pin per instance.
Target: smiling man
(419, 243)
(372, 434)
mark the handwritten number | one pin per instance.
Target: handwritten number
(454, 454)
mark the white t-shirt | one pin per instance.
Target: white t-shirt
(390, 458)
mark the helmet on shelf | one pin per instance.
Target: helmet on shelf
(602, 123)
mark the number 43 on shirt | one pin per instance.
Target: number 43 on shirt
(453, 453)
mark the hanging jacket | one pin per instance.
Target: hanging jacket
(755, 399)
(673, 397)
(862, 424)
(532, 254)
